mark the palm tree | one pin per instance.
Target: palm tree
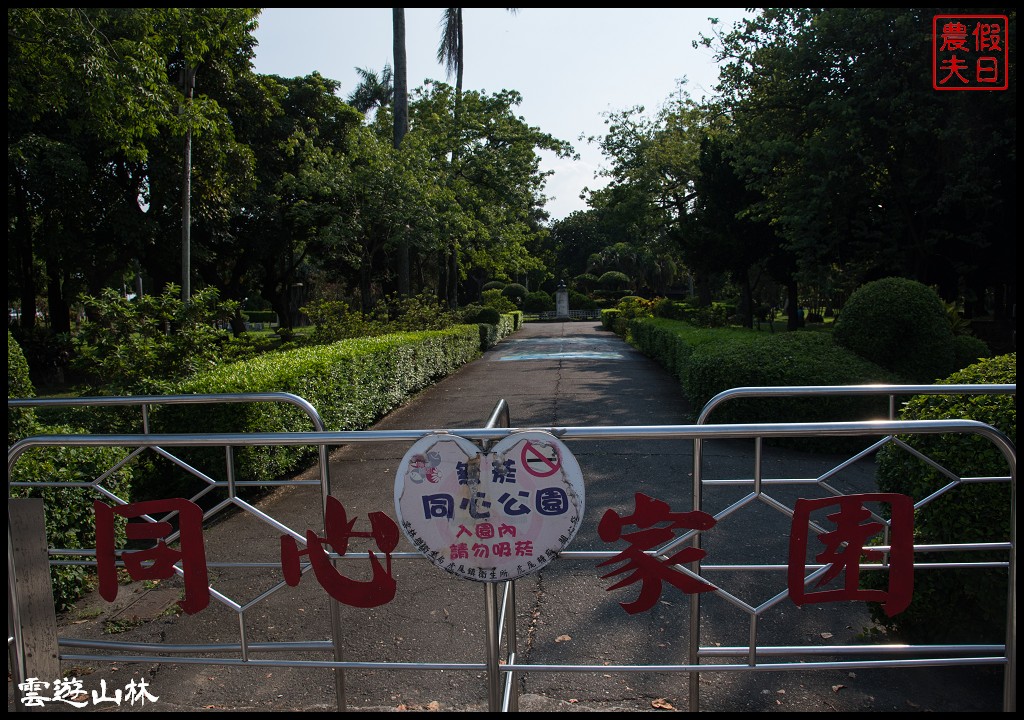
(373, 90)
(450, 54)
(401, 119)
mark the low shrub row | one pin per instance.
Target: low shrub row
(68, 513)
(709, 361)
(352, 383)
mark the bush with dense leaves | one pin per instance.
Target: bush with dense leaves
(515, 292)
(143, 345)
(960, 605)
(538, 302)
(968, 350)
(19, 420)
(901, 325)
(68, 511)
(352, 383)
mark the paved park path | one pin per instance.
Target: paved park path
(552, 375)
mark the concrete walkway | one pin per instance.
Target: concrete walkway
(552, 375)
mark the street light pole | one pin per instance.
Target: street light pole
(188, 79)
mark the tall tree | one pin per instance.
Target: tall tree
(374, 90)
(401, 126)
(858, 161)
(450, 55)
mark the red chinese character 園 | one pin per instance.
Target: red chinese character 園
(845, 547)
(379, 590)
(157, 562)
(648, 513)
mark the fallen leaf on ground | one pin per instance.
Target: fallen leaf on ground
(837, 688)
(563, 638)
(826, 635)
(662, 703)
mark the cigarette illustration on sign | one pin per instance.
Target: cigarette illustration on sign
(490, 516)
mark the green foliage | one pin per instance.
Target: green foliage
(964, 605)
(335, 320)
(901, 325)
(515, 292)
(709, 361)
(19, 420)
(142, 346)
(70, 521)
(260, 316)
(613, 280)
(608, 317)
(352, 383)
(495, 299)
(628, 308)
(493, 285)
(417, 312)
(968, 350)
(585, 282)
(538, 301)
(488, 335)
(47, 353)
(479, 314)
(793, 358)
(579, 301)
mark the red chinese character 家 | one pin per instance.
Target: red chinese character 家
(648, 513)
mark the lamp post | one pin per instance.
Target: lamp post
(188, 82)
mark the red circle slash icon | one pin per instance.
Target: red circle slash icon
(541, 460)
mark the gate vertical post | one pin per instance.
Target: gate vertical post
(31, 615)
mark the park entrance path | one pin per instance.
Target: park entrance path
(560, 374)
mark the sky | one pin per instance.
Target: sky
(571, 66)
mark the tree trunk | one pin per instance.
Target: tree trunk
(60, 311)
(792, 306)
(401, 110)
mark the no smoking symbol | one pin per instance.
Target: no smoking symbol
(541, 460)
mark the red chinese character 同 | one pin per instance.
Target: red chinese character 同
(157, 562)
(647, 514)
(362, 594)
(845, 547)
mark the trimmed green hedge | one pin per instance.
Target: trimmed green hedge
(964, 605)
(352, 383)
(69, 518)
(709, 361)
(20, 421)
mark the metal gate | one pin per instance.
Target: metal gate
(501, 663)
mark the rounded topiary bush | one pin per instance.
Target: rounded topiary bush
(968, 350)
(478, 315)
(901, 325)
(960, 605)
(493, 285)
(515, 292)
(19, 420)
(538, 301)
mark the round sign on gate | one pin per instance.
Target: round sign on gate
(491, 516)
